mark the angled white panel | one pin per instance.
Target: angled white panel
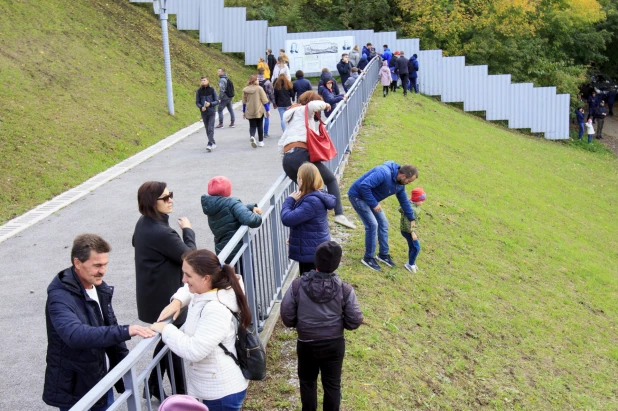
(211, 22)
(188, 15)
(453, 76)
(234, 30)
(475, 88)
(539, 109)
(498, 87)
(255, 40)
(385, 37)
(520, 105)
(560, 118)
(430, 72)
(276, 38)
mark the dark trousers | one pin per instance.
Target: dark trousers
(610, 107)
(226, 103)
(591, 113)
(179, 378)
(404, 83)
(414, 247)
(325, 357)
(294, 159)
(209, 123)
(600, 122)
(413, 84)
(394, 86)
(385, 90)
(305, 267)
(257, 124)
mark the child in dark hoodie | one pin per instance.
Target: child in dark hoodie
(226, 214)
(320, 306)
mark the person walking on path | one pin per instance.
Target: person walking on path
(344, 68)
(355, 56)
(589, 130)
(593, 103)
(281, 68)
(306, 213)
(401, 68)
(84, 340)
(579, 114)
(386, 54)
(226, 92)
(611, 99)
(262, 65)
(363, 62)
(158, 266)
(255, 108)
(206, 99)
(267, 86)
(365, 195)
(324, 77)
(285, 58)
(271, 61)
(385, 78)
(407, 228)
(284, 93)
(599, 116)
(293, 147)
(320, 306)
(214, 293)
(413, 70)
(227, 214)
(301, 85)
(332, 99)
(353, 77)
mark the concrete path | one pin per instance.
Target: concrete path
(30, 259)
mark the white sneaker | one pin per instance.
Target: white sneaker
(213, 146)
(411, 268)
(414, 268)
(261, 144)
(343, 220)
(209, 148)
(253, 143)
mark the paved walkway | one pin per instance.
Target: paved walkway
(32, 258)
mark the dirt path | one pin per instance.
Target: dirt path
(610, 133)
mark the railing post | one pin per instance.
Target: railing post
(274, 224)
(248, 277)
(131, 383)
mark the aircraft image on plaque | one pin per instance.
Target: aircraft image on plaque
(321, 47)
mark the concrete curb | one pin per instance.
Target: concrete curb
(18, 224)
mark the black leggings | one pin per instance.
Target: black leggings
(259, 124)
(385, 89)
(292, 162)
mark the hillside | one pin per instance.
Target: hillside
(516, 299)
(83, 87)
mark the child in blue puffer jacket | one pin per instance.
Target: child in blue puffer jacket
(306, 213)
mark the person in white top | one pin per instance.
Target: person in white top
(212, 291)
(281, 68)
(293, 146)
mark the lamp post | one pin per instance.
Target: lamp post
(160, 7)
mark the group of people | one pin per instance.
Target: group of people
(597, 112)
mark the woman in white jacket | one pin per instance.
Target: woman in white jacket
(281, 68)
(293, 146)
(212, 292)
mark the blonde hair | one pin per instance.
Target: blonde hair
(261, 60)
(311, 178)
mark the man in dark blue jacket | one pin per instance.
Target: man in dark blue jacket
(365, 196)
(206, 99)
(401, 68)
(344, 68)
(413, 70)
(84, 340)
(301, 85)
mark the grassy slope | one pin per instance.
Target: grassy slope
(83, 87)
(516, 301)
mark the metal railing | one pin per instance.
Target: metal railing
(262, 258)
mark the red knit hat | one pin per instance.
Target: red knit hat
(220, 186)
(396, 53)
(418, 195)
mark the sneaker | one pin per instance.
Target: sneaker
(213, 146)
(266, 135)
(219, 126)
(371, 263)
(261, 144)
(343, 220)
(232, 125)
(209, 147)
(386, 259)
(411, 268)
(253, 143)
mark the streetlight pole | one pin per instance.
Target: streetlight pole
(161, 7)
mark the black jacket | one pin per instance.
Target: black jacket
(78, 338)
(272, 62)
(401, 65)
(344, 70)
(599, 111)
(283, 97)
(300, 86)
(206, 94)
(323, 79)
(158, 265)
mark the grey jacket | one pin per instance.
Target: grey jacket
(223, 87)
(314, 306)
(354, 58)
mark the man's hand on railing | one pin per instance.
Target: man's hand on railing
(257, 210)
(141, 331)
(172, 308)
(345, 97)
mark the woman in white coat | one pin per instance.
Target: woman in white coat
(281, 68)
(212, 291)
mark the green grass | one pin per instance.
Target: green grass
(83, 88)
(516, 300)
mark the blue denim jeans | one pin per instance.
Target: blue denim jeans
(230, 402)
(110, 400)
(375, 224)
(281, 111)
(266, 119)
(581, 130)
(414, 247)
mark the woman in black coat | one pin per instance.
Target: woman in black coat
(158, 265)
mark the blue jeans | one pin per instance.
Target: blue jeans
(414, 247)
(281, 111)
(226, 103)
(228, 403)
(590, 138)
(110, 400)
(266, 119)
(581, 130)
(375, 224)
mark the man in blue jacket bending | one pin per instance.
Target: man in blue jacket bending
(84, 340)
(365, 195)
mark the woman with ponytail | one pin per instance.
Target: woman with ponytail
(212, 291)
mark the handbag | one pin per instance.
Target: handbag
(319, 146)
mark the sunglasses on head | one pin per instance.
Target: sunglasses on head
(167, 197)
